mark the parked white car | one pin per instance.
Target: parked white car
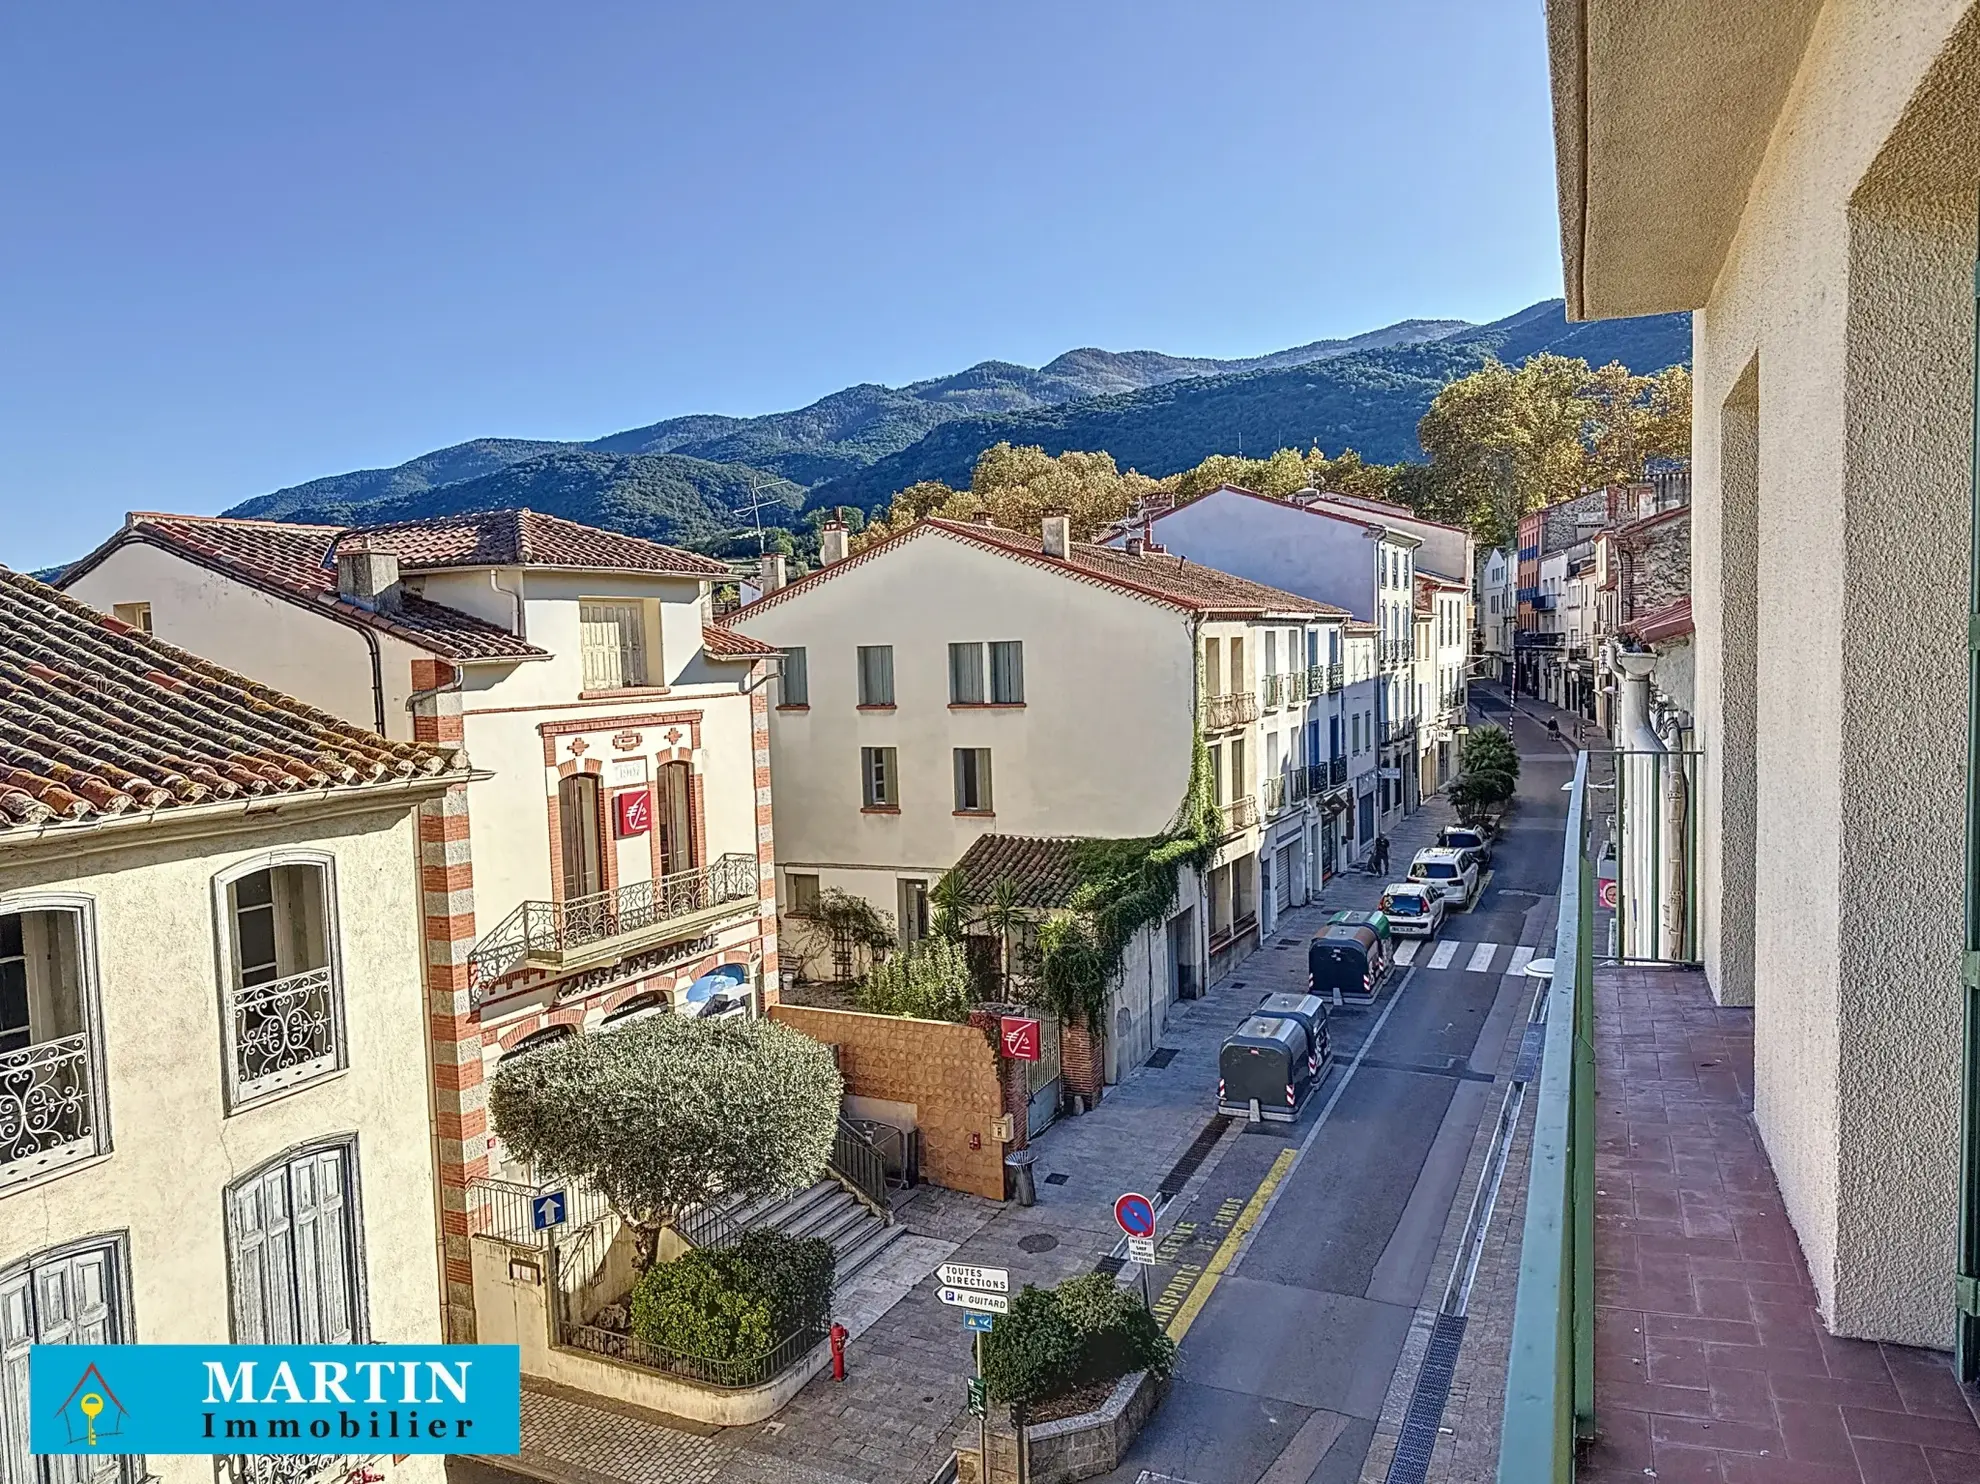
(1453, 872)
(1415, 909)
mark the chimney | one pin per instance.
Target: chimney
(770, 572)
(1057, 531)
(368, 578)
(982, 517)
(831, 543)
(1134, 545)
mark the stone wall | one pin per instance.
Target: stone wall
(947, 1073)
(1568, 521)
(1656, 563)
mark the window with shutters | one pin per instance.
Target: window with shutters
(876, 675)
(77, 1294)
(795, 677)
(879, 778)
(281, 992)
(613, 637)
(1007, 672)
(52, 1089)
(801, 891)
(972, 780)
(292, 1246)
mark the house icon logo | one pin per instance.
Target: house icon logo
(92, 1412)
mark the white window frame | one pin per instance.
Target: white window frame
(20, 1295)
(979, 770)
(227, 977)
(629, 667)
(346, 1147)
(878, 764)
(21, 1174)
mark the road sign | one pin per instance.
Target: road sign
(969, 1298)
(978, 1397)
(1141, 1250)
(963, 1275)
(1605, 893)
(1135, 1214)
(978, 1321)
(547, 1210)
(1021, 1038)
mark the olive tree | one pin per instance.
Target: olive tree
(667, 1114)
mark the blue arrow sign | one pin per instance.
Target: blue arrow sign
(547, 1210)
(978, 1321)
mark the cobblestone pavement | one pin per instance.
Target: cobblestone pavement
(1711, 1362)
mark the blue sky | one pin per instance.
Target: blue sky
(249, 244)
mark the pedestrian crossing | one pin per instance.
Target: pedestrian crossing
(1480, 958)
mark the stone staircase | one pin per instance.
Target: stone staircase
(830, 1210)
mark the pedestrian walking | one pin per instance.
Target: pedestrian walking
(1381, 855)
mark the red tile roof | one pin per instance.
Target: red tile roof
(1428, 584)
(719, 643)
(1670, 622)
(1043, 870)
(98, 719)
(528, 538)
(1175, 581)
(294, 561)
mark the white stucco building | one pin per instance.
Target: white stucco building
(955, 680)
(1443, 649)
(214, 1099)
(1358, 822)
(613, 848)
(1497, 610)
(1801, 176)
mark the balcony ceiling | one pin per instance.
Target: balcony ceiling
(1662, 114)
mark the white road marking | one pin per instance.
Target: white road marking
(1481, 958)
(1522, 956)
(1406, 951)
(1446, 951)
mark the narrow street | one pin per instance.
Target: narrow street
(1285, 1369)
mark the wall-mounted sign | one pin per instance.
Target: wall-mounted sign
(632, 812)
(1021, 1038)
(625, 772)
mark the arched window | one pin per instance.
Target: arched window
(535, 1041)
(281, 989)
(292, 1246)
(52, 1089)
(651, 1002)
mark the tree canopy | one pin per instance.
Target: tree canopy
(667, 1114)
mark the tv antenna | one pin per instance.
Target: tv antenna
(757, 486)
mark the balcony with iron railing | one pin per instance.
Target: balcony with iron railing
(48, 1106)
(1299, 783)
(1241, 813)
(1272, 691)
(1396, 652)
(1396, 729)
(1337, 772)
(609, 925)
(1222, 713)
(1323, 680)
(282, 1032)
(1272, 794)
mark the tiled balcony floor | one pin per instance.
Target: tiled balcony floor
(1710, 1361)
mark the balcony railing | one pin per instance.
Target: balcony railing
(610, 924)
(1398, 652)
(1272, 692)
(284, 1031)
(1296, 687)
(1550, 1373)
(1322, 680)
(1299, 783)
(1272, 792)
(1240, 814)
(47, 1107)
(1396, 731)
(296, 1468)
(1221, 713)
(1337, 771)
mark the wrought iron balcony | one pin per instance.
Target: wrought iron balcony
(283, 1032)
(1272, 793)
(1323, 680)
(1337, 771)
(609, 925)
(1272, 692)
(1241, 813)
(47, 1107)
(1299, 782)
(1396, 731)
(1296, 688)
(1398, 652)
(1221, 713)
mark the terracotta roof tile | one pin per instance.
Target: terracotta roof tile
(97, 719)
(295, 561)
(529, 538)
(726, 644)
(1043, 869)
(1672, 621)
(1173, 580)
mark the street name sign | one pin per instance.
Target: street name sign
(969, 1298)
(964, 1275)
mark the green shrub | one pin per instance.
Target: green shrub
(735, 1302)
(1088, 1330)
(1030, 1353)
(928, 981)
(1117, 1334)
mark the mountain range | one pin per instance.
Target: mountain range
(689, 479)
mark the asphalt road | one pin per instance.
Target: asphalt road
(1284, 1368)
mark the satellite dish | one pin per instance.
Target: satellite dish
(729, 976)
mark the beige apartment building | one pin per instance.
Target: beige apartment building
(957, 680)
(611, 854)
(213, 1042)
(1803, 177)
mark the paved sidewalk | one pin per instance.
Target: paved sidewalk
(1711, 1362)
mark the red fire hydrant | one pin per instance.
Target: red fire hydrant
(838, 1333)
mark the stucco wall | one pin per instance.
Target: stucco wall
(1845, 302)
(270, 639)
(1276, 543)
(174, 1148)
(947, 1073)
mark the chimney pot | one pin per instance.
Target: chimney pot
(831, 543)
(770, 573)
(1134, 546)
(982, 517)
(1057, 533)
(368, 578)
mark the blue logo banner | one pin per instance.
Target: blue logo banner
(354, 1399)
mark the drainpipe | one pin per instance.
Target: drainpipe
(516, 600)
(1654, 803)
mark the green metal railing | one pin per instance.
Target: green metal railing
(1550, 1372)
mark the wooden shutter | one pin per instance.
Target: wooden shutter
(264, 1270)
(324, 1271)
(613, 640)
(16, 1335)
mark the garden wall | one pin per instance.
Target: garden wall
(946, 1073)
